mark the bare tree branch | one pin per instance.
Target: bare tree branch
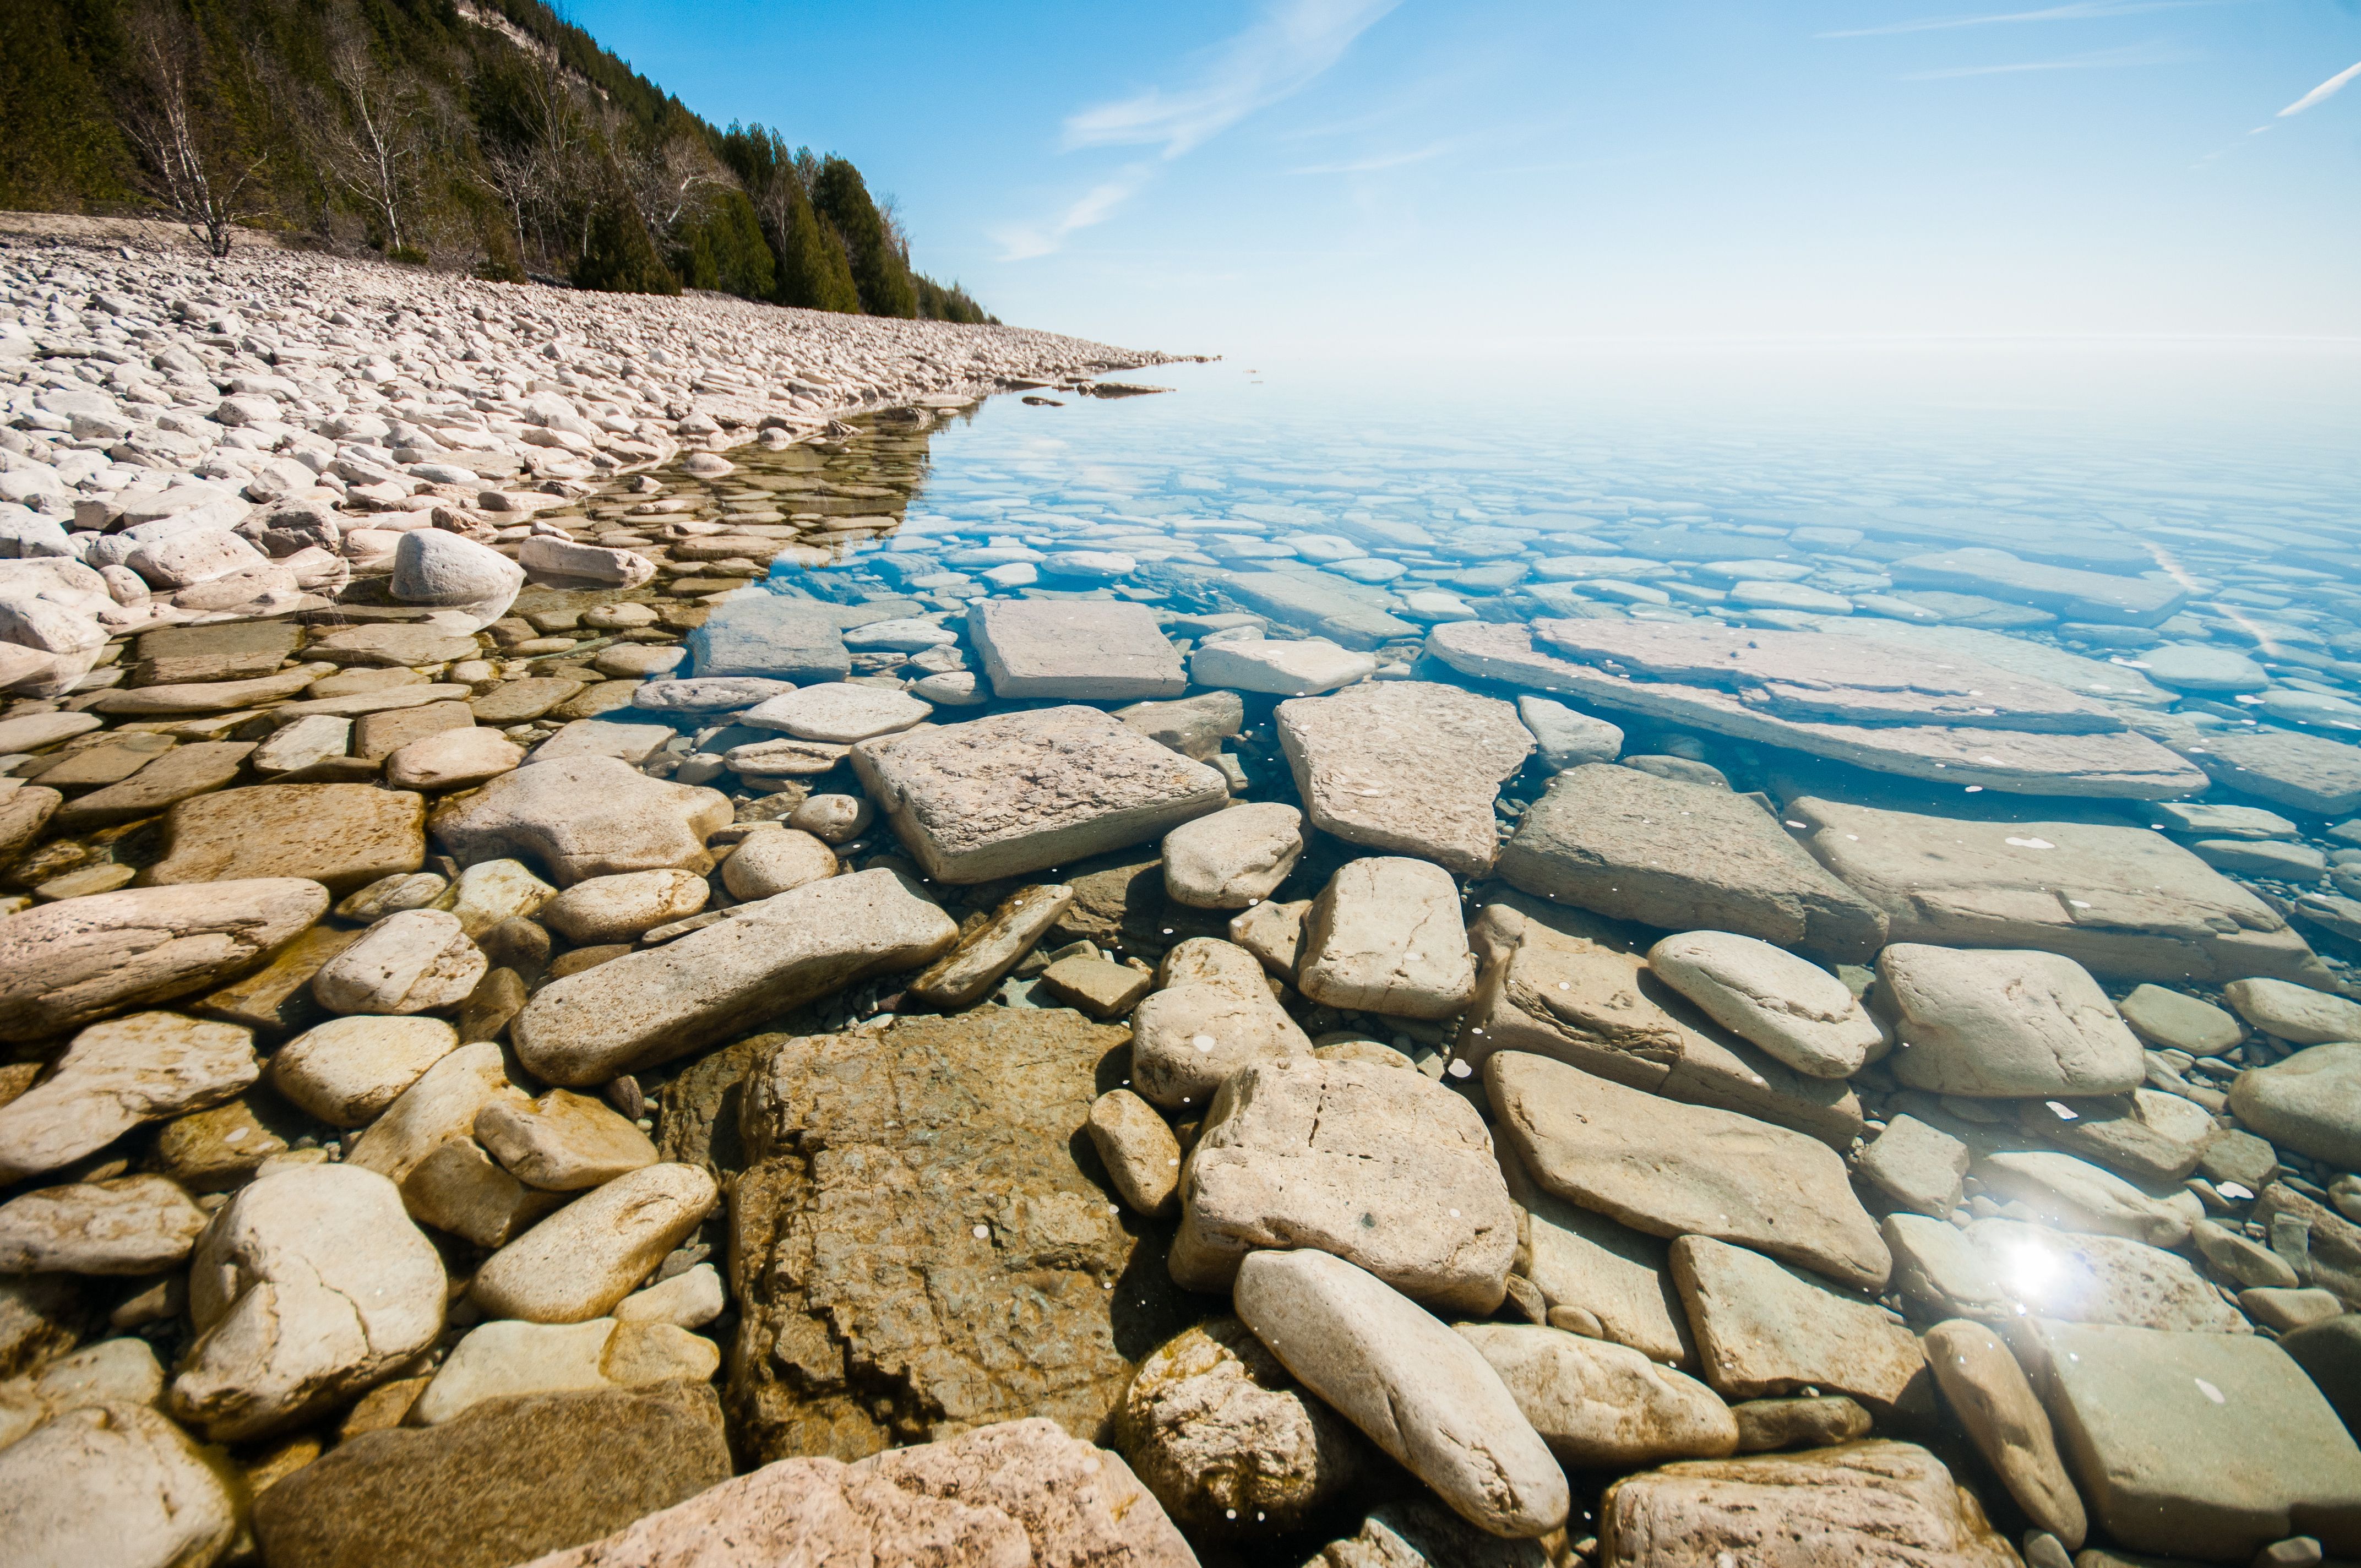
(188, 165)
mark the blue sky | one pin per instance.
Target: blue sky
(1358, 175)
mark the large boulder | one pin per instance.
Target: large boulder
(1683, 857)
(582, 818)
(1409, 767)
(1022, 792)
(310, 1287)
(1861, 1506)
(1674, 1169)
(65, 963)
(1020, 1493)
(504, 1481)
(434, 567)
(1416, 1390)
(660, 1003)
(1380, 1167)
(920, 1198)
(116, 1075)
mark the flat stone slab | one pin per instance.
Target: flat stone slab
(773, 637)
(1683, 857)
(2124, 903)
(231, 651)
(2102, 680)
(2066, 591)
(1765, 1329)
(392, 645)
(660, 1003)
(1406, 766)
(1098, 649)
(2285, 767)
(1022, 792)
(2200, 1444)
(2118, 764)
(584, 817)
(1857, 1505)
(1335, 607)
(876, 1158)
(838, 713)
(1672, 1169)
(1809, 677)
(343, 835)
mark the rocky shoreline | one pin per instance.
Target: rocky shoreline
(565, 1005)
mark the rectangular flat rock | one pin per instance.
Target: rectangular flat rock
(235, 650)
(1098, 650)
(1335, 607)
(784, 638)
(2285, 767)
(2125, 903)
(1024, 792)
(2066, 590)
(2120, 765)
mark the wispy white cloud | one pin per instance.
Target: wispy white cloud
(2155, 53)
(1283, 52)
(2075, 11)
(2322, 94)
(1022, 242)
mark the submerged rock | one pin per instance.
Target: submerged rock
(1412, 767)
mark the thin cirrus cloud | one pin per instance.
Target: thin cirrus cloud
(2322, 94)
(1278, 56)
(2155, 53)
(1284, 51)
(1381, 160)
(2077, 11)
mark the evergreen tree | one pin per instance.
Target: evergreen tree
(880, 271)
(812, 269)
(722, 249)
(617, 256)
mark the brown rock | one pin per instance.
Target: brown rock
(1995, 1401)
(343, 836)
(1766, 1329)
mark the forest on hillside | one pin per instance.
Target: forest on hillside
(490, 135)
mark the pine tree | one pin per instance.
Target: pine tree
(617, 256)
(879, 269)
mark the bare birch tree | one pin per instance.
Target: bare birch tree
(191, 166)
(373, 148)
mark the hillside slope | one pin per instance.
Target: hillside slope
(489, 135)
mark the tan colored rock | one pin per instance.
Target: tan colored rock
(1561, 985)
(1022, 792)
(2310, 1102)
(1416, 1390)
(1615, 1277)
(1233, 858)
(584, 817)
(416, 961)
(1988, 1390)
(2041, 1272)
(2296, 1013)
(766, 865)
(116, 1075)
(578, 1263)
(1917, 1165)
(1274, 934)
(1100, 987)
(508, 1360)
(1600, 1405)
(452, 758)
(1142, 1157)
(1386, 936)
(1383, 1167)
(128, 1224)
(1865, 1505)
(1211, 1013)
(618, 909)
(562, 1142)
(67, 963)
(986, 954)
(460, 1189)
(1767, 1425)
(1674, 1169)
(1409, 767)
(690, 1299)
(349, 1070)
(2076, 1195)
(118, 1484)
(1794, 1009)
(343, 835)
(310, 1287)
(1020, 1493)
(1764, 1329)
(1066, 648)
(2004, 1024)
(440, 1106)
(492, 891)
(1214, 1426)
(654, 1005)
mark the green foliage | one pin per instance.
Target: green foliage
(617, 256)
(722, 249)
(553, 160)
(880, 271)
